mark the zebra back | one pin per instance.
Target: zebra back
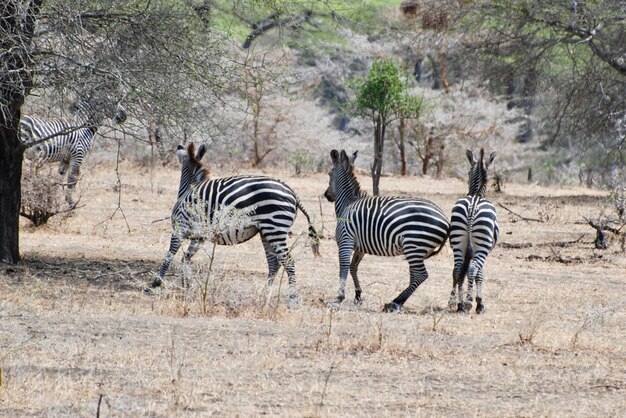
(382, 225)
(270, 204)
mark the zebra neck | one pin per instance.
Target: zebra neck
(185, 182)
(477, 190)
(343, 201)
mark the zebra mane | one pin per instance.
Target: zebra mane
(200, 172)
(477, 181)
(355, 182)
(348, 166)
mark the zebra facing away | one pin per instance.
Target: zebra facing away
(384, 226)
(269, 207)
(473, 234)
(68, 141)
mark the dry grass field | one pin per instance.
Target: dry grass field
(79, 337)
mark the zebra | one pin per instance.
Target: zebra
(474, 233)
(383, 226)
(269, 205)
(66, 141)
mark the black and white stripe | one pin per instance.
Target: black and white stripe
(384, 226)
(65, 141)
(473, 234)
(266, 206)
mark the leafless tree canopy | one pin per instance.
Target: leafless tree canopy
(564, 58)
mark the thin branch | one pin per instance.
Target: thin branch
(520, 216)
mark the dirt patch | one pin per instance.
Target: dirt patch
(80, 334)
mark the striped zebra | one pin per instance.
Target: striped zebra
(473, 234)
(384, 226)
(267, 206)
(66, 141)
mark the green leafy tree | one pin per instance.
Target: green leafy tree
(382, 97)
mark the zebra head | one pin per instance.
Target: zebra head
(92, 112)
(192, 170)
(478, 172)
(342, 174)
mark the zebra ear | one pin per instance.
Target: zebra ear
(334, 156)
(470, 156)
(353, 157)
(201, 152)
(491, 157)
(181, 153)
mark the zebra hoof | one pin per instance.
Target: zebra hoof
(392, 307)
(461, 308)
(149, 290)
(294, 302)
(156, 283)
(480, 308)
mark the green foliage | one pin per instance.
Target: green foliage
(304, 160)
(384, 93)
(380, 92)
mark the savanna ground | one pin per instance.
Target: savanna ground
(80, 337)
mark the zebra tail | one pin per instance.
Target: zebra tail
(467, 258)
(443, 244)
(313, 235)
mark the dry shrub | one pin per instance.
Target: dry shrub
(435, 19)
(410, 8)
(42, 195)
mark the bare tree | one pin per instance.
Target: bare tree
(566, 57)
(159, 58)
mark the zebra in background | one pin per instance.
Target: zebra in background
(269, 205)
(473, 234)
(384, 226)
(67, 141)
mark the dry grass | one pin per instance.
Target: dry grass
(79, 334)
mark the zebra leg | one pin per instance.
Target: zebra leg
(418, 274)
(354, 266)
(471, 276)
(193, 248)
(479, 277)
(72, 178)
(63, 166)
(457, 280)
(175, 243)
(457, 287)
(272, 262)
(345, 252)
(281, 252)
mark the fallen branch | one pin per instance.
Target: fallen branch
(600, 241)
(520, 216)
(553, 258)
(274, 21)
(522, 245)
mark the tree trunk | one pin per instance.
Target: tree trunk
(403, 160)
(428, 152)
(444, 72)
(11, 156)
(377, 166)
(16, 28)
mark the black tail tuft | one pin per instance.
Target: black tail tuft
(315, 244)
